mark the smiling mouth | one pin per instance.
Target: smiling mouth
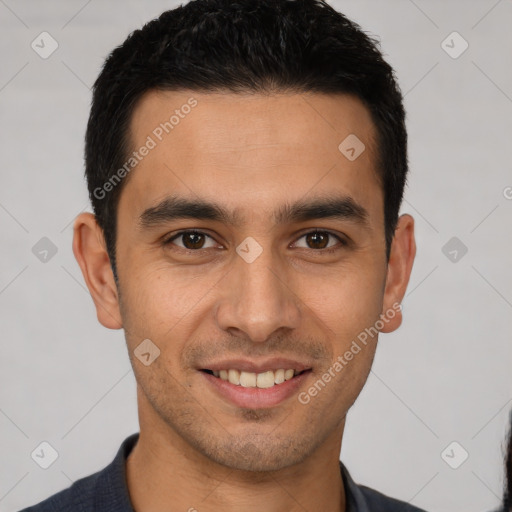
(263, 380)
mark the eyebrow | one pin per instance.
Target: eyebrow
(173, 208)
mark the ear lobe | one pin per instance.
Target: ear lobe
(90, 252)
(401, 259)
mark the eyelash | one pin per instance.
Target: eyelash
(342, 243)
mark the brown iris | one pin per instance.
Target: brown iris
(193, 240)
(317, 240)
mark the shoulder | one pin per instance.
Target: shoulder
(378, 501)
(363, 499)
(105, 490)
(79, 497)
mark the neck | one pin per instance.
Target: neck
(164, 471)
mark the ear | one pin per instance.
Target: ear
(401, 259)
(90, 252)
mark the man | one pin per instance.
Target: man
(246, 163)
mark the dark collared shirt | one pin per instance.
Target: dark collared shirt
(107, 491)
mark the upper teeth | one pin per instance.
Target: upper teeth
(255, 380)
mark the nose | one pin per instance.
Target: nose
(257, 301)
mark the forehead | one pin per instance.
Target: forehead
(251, 151)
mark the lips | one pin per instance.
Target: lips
(256, 384)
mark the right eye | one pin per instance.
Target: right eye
(191, 240)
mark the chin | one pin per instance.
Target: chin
(263, 455)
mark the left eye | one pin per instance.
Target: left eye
(318, 240)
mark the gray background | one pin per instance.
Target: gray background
(444, 376)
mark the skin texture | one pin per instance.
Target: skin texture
(251, 154)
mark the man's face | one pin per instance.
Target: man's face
(265, 283)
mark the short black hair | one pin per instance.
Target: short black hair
(265, 46)
(507, 495)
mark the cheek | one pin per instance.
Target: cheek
(346, 301)
(162, 304)
(334, 390)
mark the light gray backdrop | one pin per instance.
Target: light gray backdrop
(444, 377)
